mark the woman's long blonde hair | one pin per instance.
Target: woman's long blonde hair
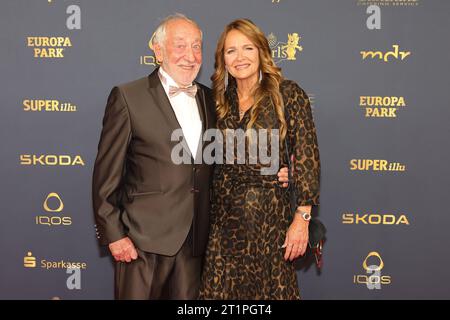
(268, 87)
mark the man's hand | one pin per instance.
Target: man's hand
(123, 250)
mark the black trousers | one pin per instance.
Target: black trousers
(153, 276)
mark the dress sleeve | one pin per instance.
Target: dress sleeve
(303, 144)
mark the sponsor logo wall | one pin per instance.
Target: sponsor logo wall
(377, 76)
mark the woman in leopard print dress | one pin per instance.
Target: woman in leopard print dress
(254, 237)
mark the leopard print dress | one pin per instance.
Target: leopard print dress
(251, 214)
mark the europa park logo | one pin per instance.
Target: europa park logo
(285, 51)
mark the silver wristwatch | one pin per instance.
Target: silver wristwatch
(305, 215)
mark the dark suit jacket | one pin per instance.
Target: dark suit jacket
(137, 190)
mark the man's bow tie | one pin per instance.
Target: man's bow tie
(190, 91)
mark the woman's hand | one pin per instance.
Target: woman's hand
(283, 177)
(296, 238)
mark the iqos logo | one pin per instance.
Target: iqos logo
(373, 267)
(149, 60)
(375, 279)
(54, 204)
(53, 195)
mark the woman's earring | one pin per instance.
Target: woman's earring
(226, 79)
(260, 75)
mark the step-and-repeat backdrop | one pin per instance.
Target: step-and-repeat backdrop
(377, 73)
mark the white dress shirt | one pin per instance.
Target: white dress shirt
(186, 112)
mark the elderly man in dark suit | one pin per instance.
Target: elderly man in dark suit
(153, 213)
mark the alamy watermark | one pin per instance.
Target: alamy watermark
(263, 147)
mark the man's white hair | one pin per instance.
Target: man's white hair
(160, 33)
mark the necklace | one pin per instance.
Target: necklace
(242, 111)
(244, 101)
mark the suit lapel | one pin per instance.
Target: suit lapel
(161, 101)
(201, 103)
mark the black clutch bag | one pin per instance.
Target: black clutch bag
(316, 228)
